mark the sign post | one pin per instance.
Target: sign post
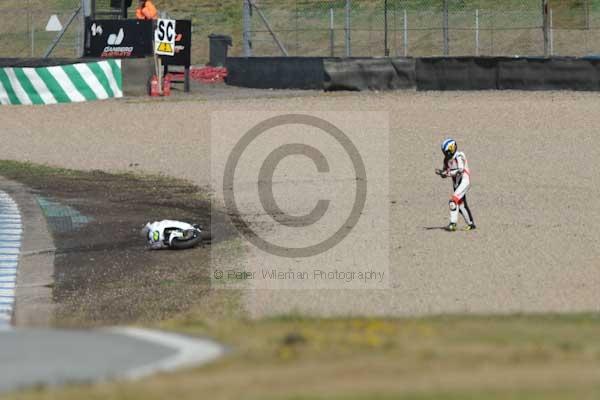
(164, 45)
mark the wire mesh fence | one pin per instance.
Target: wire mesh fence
(23, 32)
(339, 27)
(426, 27)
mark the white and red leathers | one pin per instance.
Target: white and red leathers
(457, 167)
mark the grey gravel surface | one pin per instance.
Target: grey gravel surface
(535, 189)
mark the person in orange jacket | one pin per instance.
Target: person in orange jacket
(146, 10)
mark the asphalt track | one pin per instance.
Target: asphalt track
(54, 357)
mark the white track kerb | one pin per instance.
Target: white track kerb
(10, 246)
(187, 351)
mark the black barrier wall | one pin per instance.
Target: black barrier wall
(431, 73)
(369, 73)
(468, 73)
(516, 73)
(276, 72)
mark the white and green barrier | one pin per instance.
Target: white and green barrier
(62, 83)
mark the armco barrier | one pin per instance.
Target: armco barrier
(369, 73)
(63, 83)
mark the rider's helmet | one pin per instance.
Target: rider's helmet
(449, 147)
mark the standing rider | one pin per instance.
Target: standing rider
(457, 167)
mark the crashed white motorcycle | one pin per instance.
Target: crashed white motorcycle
(175, 235)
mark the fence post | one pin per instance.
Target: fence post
(405, 34)
(385, 21)
(247, 28)
(446, 39)
(477, 32)
(347, 29)
(587, 14)
(545, 26)
(331, 34)
(123, 9)
(32, 36)
(551, 24)
(86, 7)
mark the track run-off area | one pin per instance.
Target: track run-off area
(534, 189)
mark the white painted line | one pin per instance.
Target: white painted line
(10, 245)
(9, 258)
(188, 351)
(6, 279)
(10, 231)
(7, 285)
(9, 250)
(11, 225)
(7, 292)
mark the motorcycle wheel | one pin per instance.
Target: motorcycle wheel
(183, 244)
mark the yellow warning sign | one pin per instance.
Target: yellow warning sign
(164, 37)
(165, 48)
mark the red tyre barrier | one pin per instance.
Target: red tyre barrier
(209, 74)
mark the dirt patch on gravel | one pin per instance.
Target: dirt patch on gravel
(103, 272)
